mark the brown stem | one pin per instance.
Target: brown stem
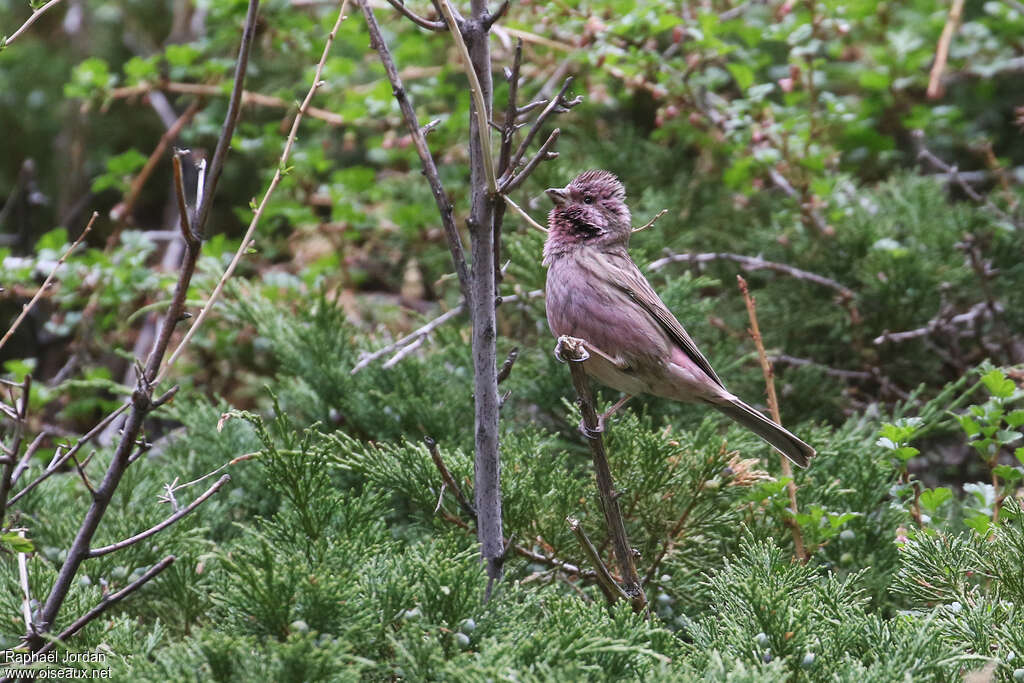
(607, 583)
(97, 552)
(46, 283)
(428, 24)
(935, 89)
(444, 207)
(123, 210)
(142, 397)
(108, 602)
(574, 352)
(7, 476)
(448, 479)
(773, 407)
(207, 90)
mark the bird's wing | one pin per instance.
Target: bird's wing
(624, 274)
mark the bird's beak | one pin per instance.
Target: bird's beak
(558, 195)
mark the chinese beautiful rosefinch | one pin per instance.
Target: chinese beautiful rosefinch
(596, 293)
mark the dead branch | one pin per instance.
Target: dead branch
(652, 221)
(979, 311)
(955, 178)
(107, 603)
(444, 207)
(574, 352)
(28, 22)
(202, 211)
(417, 19)
(756, 263)
(414, 337)
(773, 407)
(104, 550)
(204, 90)
(46, 283)
(935, 89)
(142, 397)
(605, 581)
(123, 209)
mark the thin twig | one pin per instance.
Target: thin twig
(607, 583)
(206, 90)
(418, 334)
(185, 225)
(833, 372)
(755, 263)
(247, 238)
(574, 352)
(955, 178)
(98, 552)
(46, 283)
(543, 154)
(448, 479)
(773, 407)
(31, 20)
(652, 221)
(976, 312)
(525, 216)
(556, 102)
(417, 19)
(26, 607)
(419, 141)
(123, 210)
(475, 90)
(107, 603)
(59, 462)
(935, 89)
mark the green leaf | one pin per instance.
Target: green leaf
(871, 79)
(1007, 436)
(980, 524)
(931, 499)
(742, 73)
(1015, 418)
(1007, 473)
(998, 384)
(1019, 454)
(969, 425)
(906, 452)
(17, 543)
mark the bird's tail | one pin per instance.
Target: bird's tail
(784, 441)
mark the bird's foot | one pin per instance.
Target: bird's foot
(592, 433)
(571, 349)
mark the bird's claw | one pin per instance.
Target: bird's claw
(571, 349)
(592, 433)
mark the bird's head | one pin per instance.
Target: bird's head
(591, 210)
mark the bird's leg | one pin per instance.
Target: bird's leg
(592, 433)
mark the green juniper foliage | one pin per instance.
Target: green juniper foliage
(336, 552)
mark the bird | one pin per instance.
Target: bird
(596, 293)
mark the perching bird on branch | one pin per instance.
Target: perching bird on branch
(596, 293)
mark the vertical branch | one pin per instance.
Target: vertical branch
(142, 401)
(773, 407)
(942, 50)
(573, 351)
(479, 286)
(508, 131)
(487, 459)
(444, 207)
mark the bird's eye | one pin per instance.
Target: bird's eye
(588, 199)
